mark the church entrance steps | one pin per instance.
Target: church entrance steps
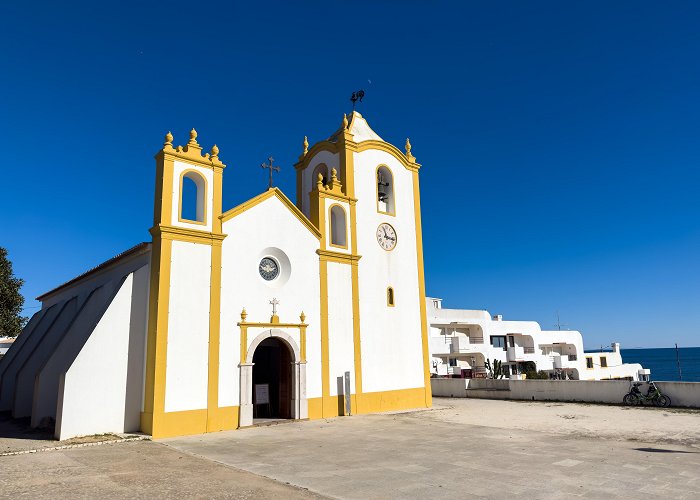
(265, 422)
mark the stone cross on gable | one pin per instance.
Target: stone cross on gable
(270, 167)
(274, 303)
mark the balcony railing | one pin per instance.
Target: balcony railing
(529, 350)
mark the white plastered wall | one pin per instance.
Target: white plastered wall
(265, 229)
(102, 389)
(392, 353)
(187, 359)
(340, 327)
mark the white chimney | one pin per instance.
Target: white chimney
(498, 317)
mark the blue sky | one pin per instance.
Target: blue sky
(560, 141)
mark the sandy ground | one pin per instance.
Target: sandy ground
(648, 424)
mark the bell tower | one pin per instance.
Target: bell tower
(182, 351)
(362, 193)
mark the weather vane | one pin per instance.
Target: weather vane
(270, 167)
(357, 96)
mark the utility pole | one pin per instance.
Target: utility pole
(678, 362)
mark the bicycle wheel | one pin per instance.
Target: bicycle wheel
(630, 399)
(663, 401)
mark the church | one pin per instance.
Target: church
(272, 309)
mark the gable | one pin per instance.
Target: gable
(282, 204)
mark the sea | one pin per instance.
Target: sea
(663, 363)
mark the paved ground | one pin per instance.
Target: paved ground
(487, 452)
(140, 469)
(493, 449)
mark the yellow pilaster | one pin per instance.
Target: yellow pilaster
(421, 291)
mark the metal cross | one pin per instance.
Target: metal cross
(274, 303)
(271, 168)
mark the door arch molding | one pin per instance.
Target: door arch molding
(298, 402)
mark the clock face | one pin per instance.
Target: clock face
(268, 269)
(386, 236)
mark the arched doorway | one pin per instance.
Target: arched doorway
(273, 357)
(272, 379)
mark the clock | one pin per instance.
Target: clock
(269, 269)
(386, 236)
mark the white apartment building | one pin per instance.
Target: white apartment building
(464, 342)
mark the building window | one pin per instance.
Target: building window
(193, 189)
(385, 191)
(339, 237)
(603, 362)
(498, 341)
(390, 297)
(453, 361)
(589, 363)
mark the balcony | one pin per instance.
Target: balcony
(463, 345)
(516, 353)
(529, 350)
(563, 360)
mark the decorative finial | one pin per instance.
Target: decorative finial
(302, 316)
(345, 121)
(319, 182)
(410, 157)
(214, 151)
(193, 137)
(244, 315)
(168, 139)
(306, 145)
(334, 174)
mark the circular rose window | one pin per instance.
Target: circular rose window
(269, 269)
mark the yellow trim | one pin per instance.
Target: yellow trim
(371, 402)
(339, 257)
(191, 153)
(183, 423)
(330, 223)
(325, 353)
(205, 200)
(162, 211)
(391, 149)
(390, 299)
(214, 335)
(299, 190)
(188, 235)
(230, 214)
(157, 339)
(346, 160)
(421, 289)
(320, 146)
(393, 191)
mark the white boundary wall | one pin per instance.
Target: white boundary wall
(591, 391)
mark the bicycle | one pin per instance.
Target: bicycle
(653, 395)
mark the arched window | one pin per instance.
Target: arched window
(193, 189)
(339, 236)
(390, 297)
(322, 169)
(385, 191)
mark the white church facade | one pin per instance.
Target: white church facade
(263, 310)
